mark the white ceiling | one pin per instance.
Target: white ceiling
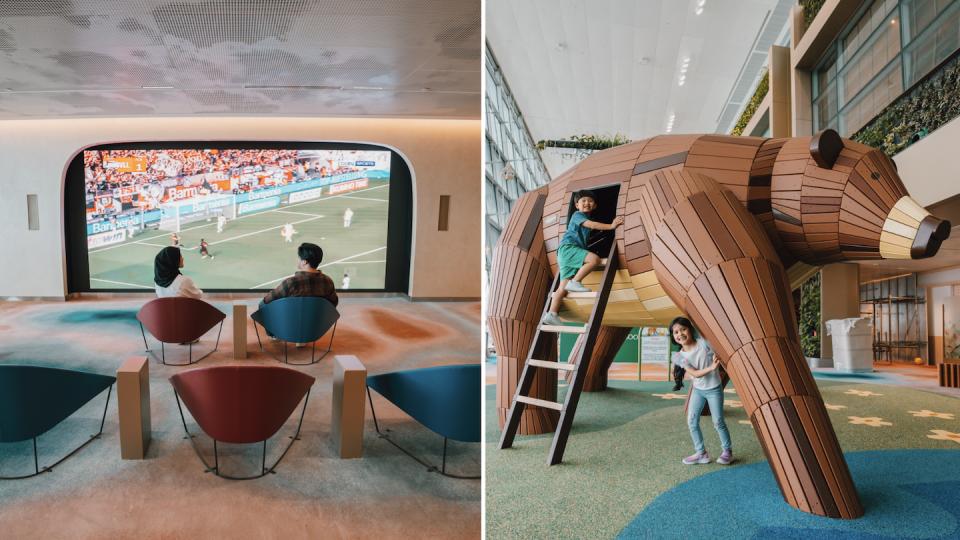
(317, 57)
(596, 84)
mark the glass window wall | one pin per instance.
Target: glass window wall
(886, 47)
(512, 165)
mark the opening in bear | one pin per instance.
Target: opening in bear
(607, 198)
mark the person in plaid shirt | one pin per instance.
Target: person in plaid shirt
(307, 281)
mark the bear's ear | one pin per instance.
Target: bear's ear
(825, 148)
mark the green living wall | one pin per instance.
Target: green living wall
(810, 317)
(928, 106)
(751, 108)
(810, 10)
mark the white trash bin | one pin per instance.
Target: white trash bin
(852, 344)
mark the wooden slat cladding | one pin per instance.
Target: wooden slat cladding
(533, 223)
(798, 428)
(519, 281)
(609, 341)
(660, 163)
(715, 259)
(948, 375)
(827, 215)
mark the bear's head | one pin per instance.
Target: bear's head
(835, 199)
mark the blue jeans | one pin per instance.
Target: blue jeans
(714, 397)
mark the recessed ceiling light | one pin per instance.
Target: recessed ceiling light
(701, 3)
(424, 89)
(368, 88)
(559, 47)
(643, 61)
(683, 70)
(699, 10)
(681, 83)
(155, 87)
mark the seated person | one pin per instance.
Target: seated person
(167, 276)
(307, 281)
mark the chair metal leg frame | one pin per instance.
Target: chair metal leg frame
(430, 468)
(36, 460)
(285, 357)
(216, 461)
(163, 356)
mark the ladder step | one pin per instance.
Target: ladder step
(564, 329)
(540, 403)
(590, 294)
(552, 365)
(603, 262)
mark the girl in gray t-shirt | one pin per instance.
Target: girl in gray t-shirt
(697, 357)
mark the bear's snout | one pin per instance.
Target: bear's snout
(931, 233)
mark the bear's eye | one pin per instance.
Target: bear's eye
(875, 176)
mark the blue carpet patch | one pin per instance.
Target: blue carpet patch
(906, 494)
(840, 375)
(124, 316)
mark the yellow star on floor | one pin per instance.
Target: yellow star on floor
(944, 435)
(872, 421)
(924, 412)
(671, 396)
(747, 422)
(730, 391)
(862, 393)
(735, 404)
(834, 407)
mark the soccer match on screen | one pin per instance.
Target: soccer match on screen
(238, 216)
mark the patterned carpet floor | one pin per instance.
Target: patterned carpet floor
(314, 494)
(622, 473)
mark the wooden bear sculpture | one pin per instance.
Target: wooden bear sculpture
(719, 229)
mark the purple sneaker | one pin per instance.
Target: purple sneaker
(697, 458)
(726, 457)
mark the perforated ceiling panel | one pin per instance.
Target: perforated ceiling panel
(141, 57)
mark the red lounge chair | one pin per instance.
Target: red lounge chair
(241, 405)
(179, 320)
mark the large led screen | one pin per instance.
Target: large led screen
(251, 208)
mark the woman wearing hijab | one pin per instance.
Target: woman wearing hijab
(167, 276)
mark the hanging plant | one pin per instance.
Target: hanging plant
(810, 317)
(754, 104)
(586, 142)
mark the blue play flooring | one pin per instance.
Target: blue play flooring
(906, 494)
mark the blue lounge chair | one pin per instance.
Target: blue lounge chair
(445, 399)
(34, 399)
(299, 319)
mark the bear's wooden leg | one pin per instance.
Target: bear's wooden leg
(715, 261)
(609, 341)
(520, 278)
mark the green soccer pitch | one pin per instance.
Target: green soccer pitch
(250, 253)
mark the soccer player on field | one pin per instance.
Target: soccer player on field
(221, 221)
(288, 232)
(347, 216)
(176, 240)
(203, 250)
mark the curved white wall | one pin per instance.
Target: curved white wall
(444, 156)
